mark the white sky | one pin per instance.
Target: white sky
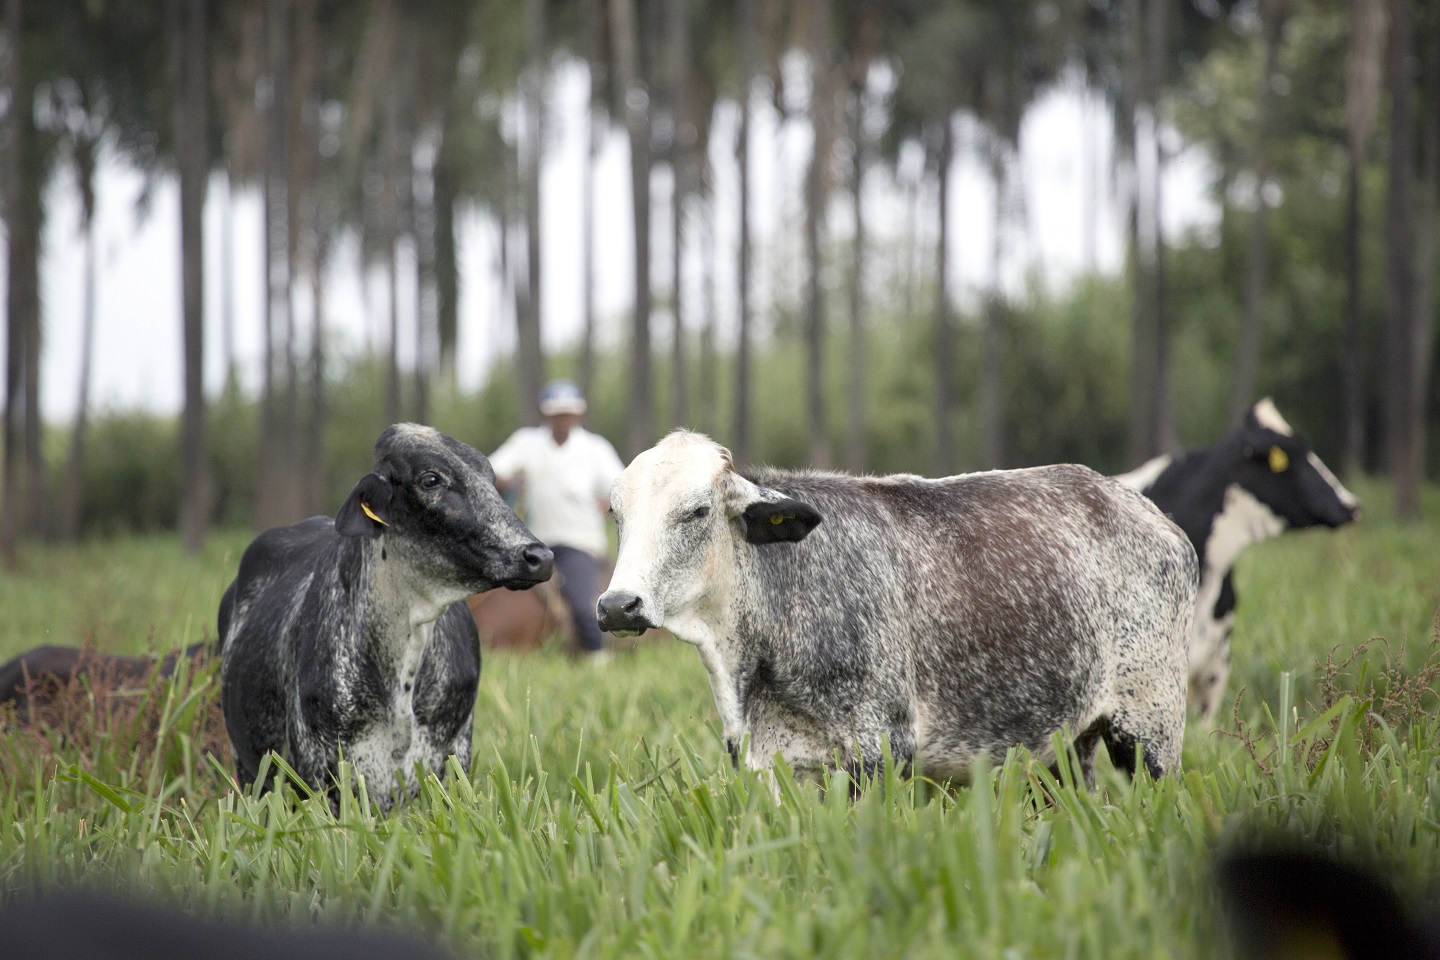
(1065, 158)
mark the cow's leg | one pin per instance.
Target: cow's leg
(1085, 745)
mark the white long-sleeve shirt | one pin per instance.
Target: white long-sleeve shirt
(563, 484)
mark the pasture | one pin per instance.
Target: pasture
(601, 817)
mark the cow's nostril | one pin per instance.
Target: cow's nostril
(537, 557)
(632, 608)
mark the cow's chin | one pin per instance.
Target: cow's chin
(522, 582)
(625, 634)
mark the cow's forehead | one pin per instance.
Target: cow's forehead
(677, 465)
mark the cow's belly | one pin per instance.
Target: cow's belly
(946, 747)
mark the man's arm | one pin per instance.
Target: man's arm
(508, 462)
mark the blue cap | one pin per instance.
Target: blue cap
(561, 396)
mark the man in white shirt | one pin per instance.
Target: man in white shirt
(564, 473)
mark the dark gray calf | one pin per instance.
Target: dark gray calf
(957, 617)
(1256, 483)
(351, 635)
(34, 678)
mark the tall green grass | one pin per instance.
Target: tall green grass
(601, 817)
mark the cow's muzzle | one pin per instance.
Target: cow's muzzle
(623, 614)
(536, 563)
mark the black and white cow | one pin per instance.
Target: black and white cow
(955, 617)
(351, 635)
(1256, 483)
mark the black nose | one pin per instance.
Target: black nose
(538, 560)
(619, 610)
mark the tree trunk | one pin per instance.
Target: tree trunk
(855, 457)
(944, 321)
(1141, 434)
(1422, 337)
(273, 462)
(393, 163)
(745, 47)
(422, 229)
(1400, 264)
(1165, 440)
(591, 41)
(707, 388)
(190, 123)
(447, 263)
(625, 38)
(682, 149)
(1352, 359)
(1247, 354)
(992, 414)
(296, 73)
(86, 152)
(23, 292)
(36, 509)
(531, 366)
(227, 285)
(816, 197)
(1362, 94)
(317, 452)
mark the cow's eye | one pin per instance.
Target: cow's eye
(699, 513)
(429, 480)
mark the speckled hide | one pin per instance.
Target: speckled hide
(957, 617)
(1254, 484)
(350, 636)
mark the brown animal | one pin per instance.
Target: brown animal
(35, 678)
(521, 620)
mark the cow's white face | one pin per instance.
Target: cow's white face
(681, 510)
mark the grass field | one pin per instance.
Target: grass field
(601, 817)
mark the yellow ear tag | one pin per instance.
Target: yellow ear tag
(1279, 462)
(777, 520)
(371, 513)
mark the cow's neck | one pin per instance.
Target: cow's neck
(396, 609)
(709, 625)
(1241, 521)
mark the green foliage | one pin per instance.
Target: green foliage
(601, 817)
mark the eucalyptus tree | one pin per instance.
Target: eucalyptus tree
(746, 56)
(591, 47)
(190, 122)
(821, 50)
(934, 44)
(628, 37)
(861, 38)
(1273, 15)
(85, 118)
(24, 173)
(1422, 338)
(75, 73)
(1363, 70)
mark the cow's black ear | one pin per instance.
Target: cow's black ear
(366, 512)
(779, 521)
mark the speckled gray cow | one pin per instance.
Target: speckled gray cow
(957, 617)
(352, 636)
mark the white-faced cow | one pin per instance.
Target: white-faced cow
(955, 617)
(351, 636)
(1257, 482)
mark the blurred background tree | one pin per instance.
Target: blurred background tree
(380, 126)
